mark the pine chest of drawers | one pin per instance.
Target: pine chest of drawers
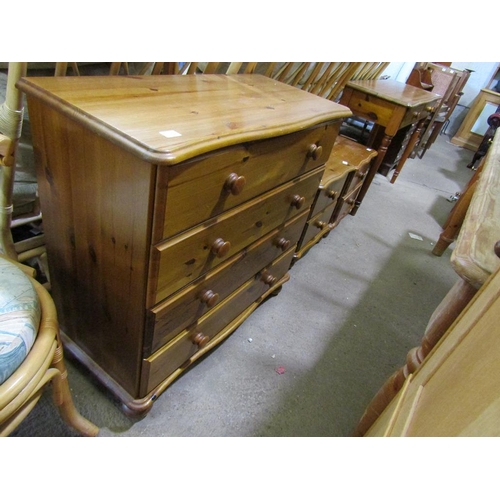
(172, 207)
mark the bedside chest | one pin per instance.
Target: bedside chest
(172, 206)
(344, 174)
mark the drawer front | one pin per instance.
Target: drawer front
(418, 113)
(372, 108)
(328, 194)
(317, 225)
(171, 316)
(204, 188)
(357, 178)
(346, 205)
(183, 259)
(164, 362)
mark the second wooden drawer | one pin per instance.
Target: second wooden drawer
(169, 317)
(183, 259)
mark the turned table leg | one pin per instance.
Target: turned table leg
(382, 150)
(443, 317)
(409, 148)
(455, 218)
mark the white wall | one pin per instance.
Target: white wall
(399, 71)
(482, 73)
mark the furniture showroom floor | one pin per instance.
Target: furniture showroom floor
(354, 306)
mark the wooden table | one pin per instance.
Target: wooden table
(172, 207)
(392, 105)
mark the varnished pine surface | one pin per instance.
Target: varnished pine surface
(348, 155)
(473, 257)
(396, 92)
(203, 112)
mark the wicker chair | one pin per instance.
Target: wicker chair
(42, 363)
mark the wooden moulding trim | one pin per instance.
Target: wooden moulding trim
(140, 406)
(399, 404)
(191, 150)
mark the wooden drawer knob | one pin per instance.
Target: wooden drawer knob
(220, 248)
(320, 224)
(331, 194)
(200, 340)
(361, 175)
(235, 184)
(297, 201)
(209, 298)
(283, 244)
(268, 278)
(315, 151)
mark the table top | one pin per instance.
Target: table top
(170, 118)
(473, 257)
(396, 92)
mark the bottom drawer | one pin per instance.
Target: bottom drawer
(164, 362)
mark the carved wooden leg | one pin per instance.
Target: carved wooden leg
(382, 150)
(445, 314)
(409, 148)
(455, 218)
(448, 310)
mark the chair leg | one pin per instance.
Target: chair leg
(64, 401)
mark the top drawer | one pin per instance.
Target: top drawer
(205, 187)
(418, 113)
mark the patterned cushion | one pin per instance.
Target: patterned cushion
(19, 317)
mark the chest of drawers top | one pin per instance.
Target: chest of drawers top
(169, 119)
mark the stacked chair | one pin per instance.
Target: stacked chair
(31, 352)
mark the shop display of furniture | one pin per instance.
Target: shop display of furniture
(172, 208)
(31, 353)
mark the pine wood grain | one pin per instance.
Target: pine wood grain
(208, 112)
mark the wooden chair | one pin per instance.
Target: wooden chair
(44, 363)
(191, 68)
(445, 81)
(13, 129)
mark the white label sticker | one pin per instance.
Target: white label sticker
(170, 133)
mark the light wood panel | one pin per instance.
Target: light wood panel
(455, 391)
